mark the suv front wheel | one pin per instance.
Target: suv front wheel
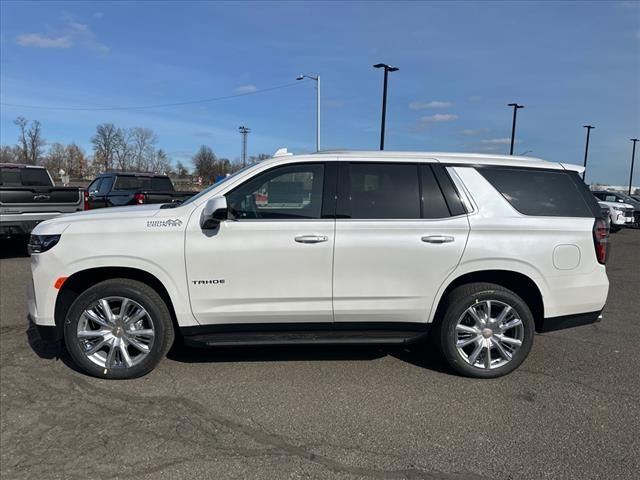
(118, 328)
(487, 330)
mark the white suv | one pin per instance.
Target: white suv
(476, 251)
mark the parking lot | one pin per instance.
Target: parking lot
(571, 411)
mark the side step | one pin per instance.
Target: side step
(373, 337)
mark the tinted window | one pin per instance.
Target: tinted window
(147, 184)
(382, 190)
(433, 202)
(292, 191)
(24, 177)
(539, 192)
(95, 185)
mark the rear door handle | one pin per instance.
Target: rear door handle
(311, 238)
(438, 239)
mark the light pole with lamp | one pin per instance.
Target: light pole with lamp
(317, 80)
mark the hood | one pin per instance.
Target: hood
(615, 204)
(58, 224)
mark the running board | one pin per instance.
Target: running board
(375, 337)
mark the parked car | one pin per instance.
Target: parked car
(475, 251)
(618, 214)
(117, 189)
(621, 198)
(29, 196)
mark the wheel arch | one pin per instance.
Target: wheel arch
(82, 280)
(517, 282)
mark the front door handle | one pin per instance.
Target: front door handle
(311, 238)
(438, 239)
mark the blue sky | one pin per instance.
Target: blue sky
(460, 63)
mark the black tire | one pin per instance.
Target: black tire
(145, 296)
(457, 302)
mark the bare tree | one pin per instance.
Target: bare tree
(77, 164)
(30, 141)
(258, 158)
(104, 145)
(161, 162)
(144, 141)
(35, 142)
(9, 154)
(56, 159)
(181, 170)
(124, 149)
(22, 124)
(204, 163)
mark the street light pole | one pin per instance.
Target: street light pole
(317, 80)
(633, 157)
(387, 69)
(586, 149)
(513, 125)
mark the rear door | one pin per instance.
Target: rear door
(400, 231)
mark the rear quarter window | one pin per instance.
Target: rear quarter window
(541, 192)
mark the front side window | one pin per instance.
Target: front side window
(95, 186)
(287, 192)
(382, 191)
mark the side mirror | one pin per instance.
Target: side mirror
(214, 212)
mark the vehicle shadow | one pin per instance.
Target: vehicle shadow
(418, 354)
(15, 247)
(49, 349)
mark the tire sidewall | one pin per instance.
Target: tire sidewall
(157, 315)
(458, 307)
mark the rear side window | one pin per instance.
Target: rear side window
(126, 183)
(434, 204)
(540, 192)
(382, 191)
(24, 177)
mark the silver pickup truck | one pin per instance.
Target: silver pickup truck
(28, 196)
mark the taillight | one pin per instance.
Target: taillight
(138, 198)
(601, 239)
(86, 200)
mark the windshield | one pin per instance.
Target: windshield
(213, 185)
(630, 200)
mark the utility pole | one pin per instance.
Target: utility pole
(633, 157)
(586, 149)
(513, 125)
(387, 69)
(244, 131)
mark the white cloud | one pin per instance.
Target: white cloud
(417, 105)
(246, 89)
(475, 131)
(39, 40)
(439, 117)
(497, 141)
(72, 34)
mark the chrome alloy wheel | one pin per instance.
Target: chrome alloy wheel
(116, 332)
(488, 334)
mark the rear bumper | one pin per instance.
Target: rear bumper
(569, 321)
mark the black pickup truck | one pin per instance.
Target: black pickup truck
(117, 189)
(28, 196)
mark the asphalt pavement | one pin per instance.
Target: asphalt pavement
(572, 410)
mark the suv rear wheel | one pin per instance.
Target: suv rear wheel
(487, 330)
(118, 328)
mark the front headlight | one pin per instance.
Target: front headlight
(42, 243)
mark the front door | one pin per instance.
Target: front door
(400, 232)
(272, 261)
